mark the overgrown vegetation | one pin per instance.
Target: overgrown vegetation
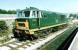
(7, 11)
(4, 32)
(3, 28)
(3, 25)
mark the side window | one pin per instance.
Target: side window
(34, 14)
(38, 14)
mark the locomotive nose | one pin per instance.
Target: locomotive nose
(22, 25)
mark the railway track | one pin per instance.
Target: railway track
(17, 45)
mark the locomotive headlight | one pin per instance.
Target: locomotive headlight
(16, 23)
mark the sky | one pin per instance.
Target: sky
(65, 6)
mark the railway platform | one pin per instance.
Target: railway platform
(74, 44)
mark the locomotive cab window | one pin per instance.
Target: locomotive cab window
(27, 13)
(36, 14)
(19, 14)
(33, 14)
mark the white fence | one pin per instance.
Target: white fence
(7, 16)
(9, 19)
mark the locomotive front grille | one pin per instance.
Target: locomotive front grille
(22, 25)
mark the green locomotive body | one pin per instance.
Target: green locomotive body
(31, 20)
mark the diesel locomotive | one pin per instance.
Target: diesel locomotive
(33, 23)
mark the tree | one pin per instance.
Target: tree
(11, 11)
(7, 12)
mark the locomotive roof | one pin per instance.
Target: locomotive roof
(50, 12)
(44, 11)
(31, 8)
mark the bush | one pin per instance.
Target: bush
(3, 25)
(3, 28)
